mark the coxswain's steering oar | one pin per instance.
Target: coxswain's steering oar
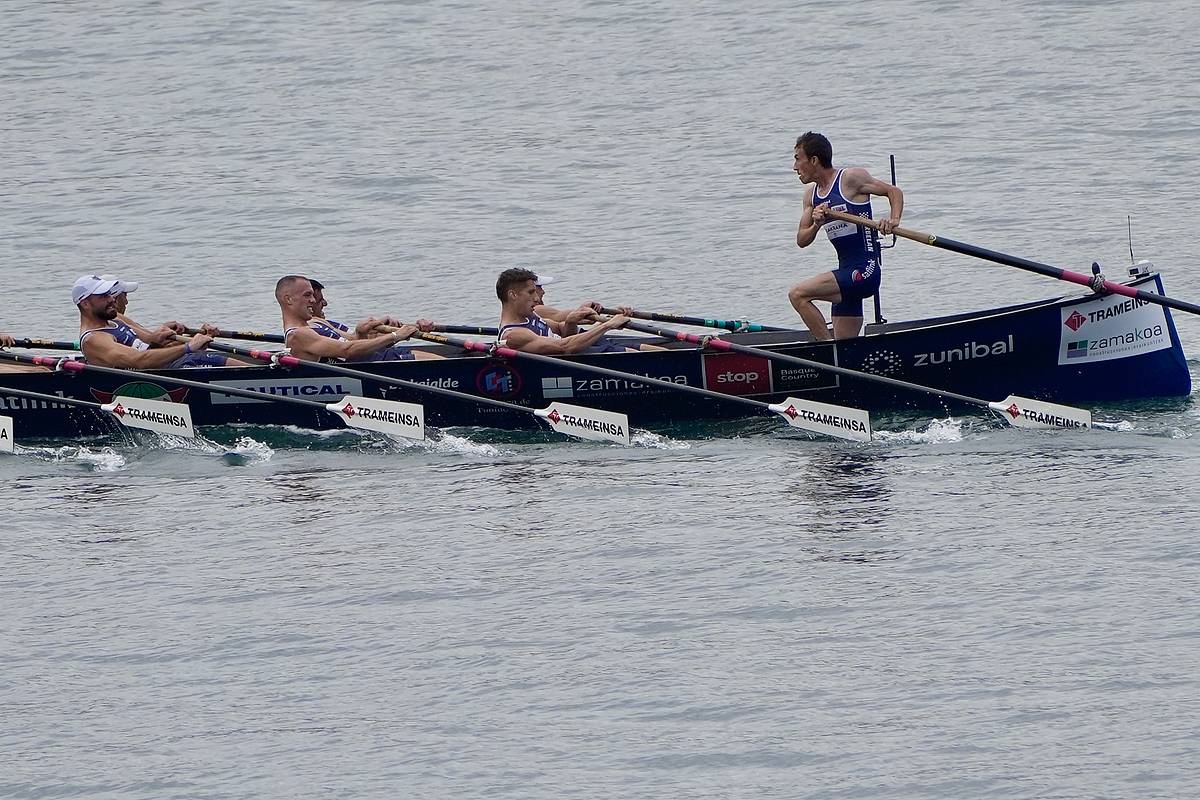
(735, 325)
(830, 420)
(570, 420)
(1094, 282)
(406, 420)
(1020, 412)
(132, 412)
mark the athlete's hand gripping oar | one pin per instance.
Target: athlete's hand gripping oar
(735, 325)
(132, 412)
(831, 420)
(565, 418)
(406, 420)
(1094, 282)
(1021, 412)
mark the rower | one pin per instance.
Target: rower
(321, 303)
(313, 338)
(557, 314)
(106, 341)
(162, 335)
(522, 328)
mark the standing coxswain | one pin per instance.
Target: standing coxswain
(313, 338)
(107, 341)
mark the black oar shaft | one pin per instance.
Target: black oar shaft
(508, 352)
(45, 344)
(79, 366)
(292, 361)
(1091, 281)
(50, 398)
(720, 344)
(251, 336)
(736, 325)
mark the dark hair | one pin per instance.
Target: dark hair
(814, 144)
(285, 283)
(510, 278)
(317, 285)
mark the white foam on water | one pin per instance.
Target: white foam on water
(105, 459)
(654, 441)
(440, 442)
(938, 431)
(248, 451)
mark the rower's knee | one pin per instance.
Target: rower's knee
(797, 295)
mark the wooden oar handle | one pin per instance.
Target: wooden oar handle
(916, 236)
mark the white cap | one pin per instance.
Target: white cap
(544, 280)
(122, 287)
(88, 285)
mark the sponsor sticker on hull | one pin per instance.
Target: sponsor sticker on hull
(6, 435)
(1111, 327)
(327, 389)
(737, 373)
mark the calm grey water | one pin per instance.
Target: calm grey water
(956, 610)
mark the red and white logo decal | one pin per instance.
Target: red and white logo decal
(1075, 321)
(737, 373)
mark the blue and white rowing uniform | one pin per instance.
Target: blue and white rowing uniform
(336, 330)
(541, 328)
(859, 263)
(123, 334)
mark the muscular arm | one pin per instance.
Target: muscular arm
(860, 185)
(530, 342)
(806, 233)
(313, 345)
(105, 351)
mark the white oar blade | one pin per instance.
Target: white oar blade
(6, 435)
(1023, 412)
(838, 421)
(159, 416)
(406, 420)
(586, 423)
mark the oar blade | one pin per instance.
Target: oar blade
(841, 422)
(586, 423)
(6, 435)
(1023, 412)
(406, 420)
(159, 416)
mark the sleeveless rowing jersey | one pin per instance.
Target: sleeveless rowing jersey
(121, 332)
(856, 246)
(336, 330)
(533, 323)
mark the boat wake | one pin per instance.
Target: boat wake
(938, 431)
(104, 459)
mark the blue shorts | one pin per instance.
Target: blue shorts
(200, 359)
(855, 284)
(393, 353)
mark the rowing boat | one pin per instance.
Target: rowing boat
(1073, 349)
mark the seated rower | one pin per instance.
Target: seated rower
(312, 338)
(106, 341)
(522, 328)
(157, 337)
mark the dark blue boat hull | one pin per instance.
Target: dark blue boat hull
(1079, 350)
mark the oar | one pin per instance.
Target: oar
(1021, 412)
(406, 420)
(565, 418)
(252, 336)
(736, 325)
(46, 344)
(132, 412)
(830, 420)
(1093, 282)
